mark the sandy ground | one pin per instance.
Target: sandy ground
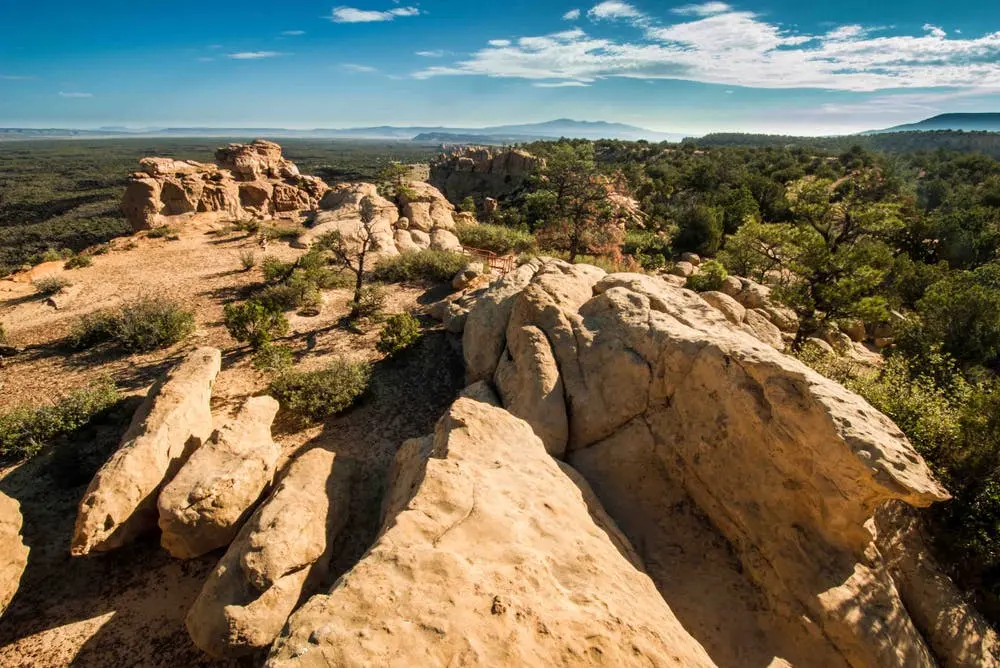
(127, 608)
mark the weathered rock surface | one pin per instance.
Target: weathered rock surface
(488, 556)
(788, 465)
(205, 504)
(250, 180)
(342, 213)
(282, 552)
(755, 322)
(482, 172)
(14, 554)
(729, 307)
(425, 207)
(173, 421)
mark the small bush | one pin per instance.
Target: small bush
(648, 248)
(710, 277)
(248, 259)
(100, 249)
(144, 324)
(51, 255)
(296, 292)
(497, 238)
(50, 285)
(23, 431)
(425, 265)
(275, 270)
(3, 335)
(285, 232)
(399, 333)
(78, 262)
(319, 394)
(160, 232)
(370, 302)
(273, 358)
(254, 324)
(468, 205)
(251, 227)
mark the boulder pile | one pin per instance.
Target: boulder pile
(481, 171)
(250, 180)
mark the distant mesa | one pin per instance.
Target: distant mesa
(980, 122)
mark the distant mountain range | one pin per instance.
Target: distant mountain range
(983, 122)
(563, 127)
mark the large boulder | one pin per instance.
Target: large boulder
(141, 203)
(489, 555)
(260, 159)
(425, 207)
(341, 211)
(205, 504)
(172, 422)
(483, 173)
(729, 307)
(14, 555)
(172, 167)
(788, 465)
(280, 554)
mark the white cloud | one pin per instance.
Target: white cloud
(612, 9)
(75, 95)
(571, 15)
(352, 15)
(205, 59)
(559, 84)
(741, 48)
(15, 77)
(255, 55)
(705, 9)
(293, 33)
(437, 53)
(352, 67)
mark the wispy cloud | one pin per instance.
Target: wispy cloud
(716, 44)
(205, 59)
(352, 67)
(571, 15)
(255, 55)
(15, 77)
(292, 33)
(353, 15)
(559, 84)
(75, 95)
(437, 53)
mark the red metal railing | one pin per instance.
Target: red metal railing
(501, 263)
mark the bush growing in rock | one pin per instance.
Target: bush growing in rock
(78, 262)
(272, 358)
(315, 395)
(50, 285)
(252, 323)
(275, 270)
(24, 430)
(248, 259)
(141, 325)
(425, 265)
(160, 232)
(497, 238)
(370, 302)
(399, 333)
(710, 277)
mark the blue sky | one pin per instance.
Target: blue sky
(763, 65)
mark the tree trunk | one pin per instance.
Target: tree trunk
(357, 285)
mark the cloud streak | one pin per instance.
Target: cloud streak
(255, 55)
(75, 95)
(716, 44)
(344, 14)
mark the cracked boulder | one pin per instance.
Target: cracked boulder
(281, 553)
(489, 555)
(173, 421)
(205, 504)
(14, 556)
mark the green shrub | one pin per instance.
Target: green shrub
(51, 255)
(144, 324)
(497, 238)
(296, 292)
(51, 284)
(24, 430)
(399, 333)
(468, 205)
(100, 249)
(315, 267)
(275, 270)
(252, 323)
(284, 231)
(370, 302)
(160, 232)
(425, 265)
(3, 335)
(272, 358)
(248, 259)
(319, 394)
(648, 248)
(251, 227)
(78, 262)
(710, 277)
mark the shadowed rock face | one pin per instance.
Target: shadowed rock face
(489, 556)
(788, 465)
(482, 172)
(173, 421)
(13, 552)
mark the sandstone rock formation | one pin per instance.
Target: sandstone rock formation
(14, 553)
(489, 556)
(173, 421)
(788, 465)
(250, 180)
(202, 508)
(482, 172)
(281, 552)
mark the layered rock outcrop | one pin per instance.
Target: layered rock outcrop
(281, 552)
(202, 508)
(14, 553)
(482, 172)
(489, 556)
(250, 180)
(788, 465)
(173, 421)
